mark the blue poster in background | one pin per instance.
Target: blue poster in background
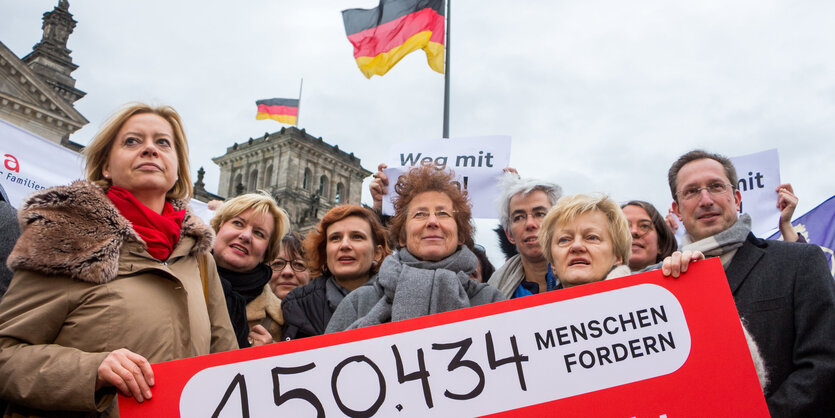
(818, 227)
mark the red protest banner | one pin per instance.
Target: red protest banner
(638, 346)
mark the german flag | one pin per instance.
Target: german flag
(384, 35)
(282, 110)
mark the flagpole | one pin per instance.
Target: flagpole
(299, 111)
(446, 72)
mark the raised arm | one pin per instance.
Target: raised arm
(786, 204)
(378, 188)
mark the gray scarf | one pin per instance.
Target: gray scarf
(723, 244)
(508, 276)
(413, 288)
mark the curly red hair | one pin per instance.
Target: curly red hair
(430, 179)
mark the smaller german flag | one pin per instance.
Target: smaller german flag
(282, 110)
(384, 35)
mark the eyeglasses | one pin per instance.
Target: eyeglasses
(519, 217)
(644, 227)
(713, 188)
(296, 265)
(441, 215)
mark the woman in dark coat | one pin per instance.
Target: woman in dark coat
(346, 250)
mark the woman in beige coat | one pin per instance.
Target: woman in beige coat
(111, 274)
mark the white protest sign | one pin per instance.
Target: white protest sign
(477, 162)
(31, 163)
(759, 176)
(201, 210)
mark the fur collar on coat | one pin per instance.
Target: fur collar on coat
(76, 231)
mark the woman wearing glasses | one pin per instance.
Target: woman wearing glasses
(248, 229)
(430, 272)
(652, 238)
(289, 269)
(345, 250)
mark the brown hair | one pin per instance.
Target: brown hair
(316, 242)
(666, 237)
(672, 175)
(429, 179)
(292, 243)
(98, 152)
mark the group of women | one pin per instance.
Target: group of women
(114, 273)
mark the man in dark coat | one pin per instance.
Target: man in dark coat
(783, 291)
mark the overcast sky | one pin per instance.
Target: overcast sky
(597, 95)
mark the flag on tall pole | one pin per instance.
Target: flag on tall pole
(382, 36)
(282, 110)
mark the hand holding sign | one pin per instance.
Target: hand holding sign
(379, 187)
(679, 262)
(786, 204)
(129, 372)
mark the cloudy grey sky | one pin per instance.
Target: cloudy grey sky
(598, 95)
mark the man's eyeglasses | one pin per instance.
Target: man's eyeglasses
(644, 227)
(442, 214)
(296, 265)
(713, 188)
(517, 217)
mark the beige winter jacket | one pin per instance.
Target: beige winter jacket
(85, 285)
(265, 310)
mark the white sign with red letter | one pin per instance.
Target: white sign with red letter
(31, 163)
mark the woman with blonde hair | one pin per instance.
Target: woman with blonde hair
(112, 273)
(249, 229)
(586, 239)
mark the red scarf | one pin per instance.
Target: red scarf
(160, 232)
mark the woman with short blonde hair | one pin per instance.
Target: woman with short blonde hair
(97, 152)
(586, 239)
(260, 203)
(249, 229)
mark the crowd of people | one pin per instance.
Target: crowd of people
(113, 273)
